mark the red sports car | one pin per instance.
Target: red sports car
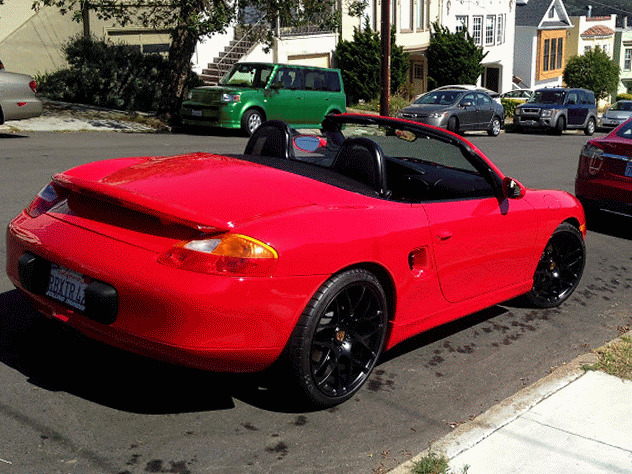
(604, 174)
(314, 253)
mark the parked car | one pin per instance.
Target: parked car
(312, 258)
(458, 110)
(604, 173)
(558, 109)
(254, 92)
(517, 94)
(616, 114)
(464, 87)
(17, 97)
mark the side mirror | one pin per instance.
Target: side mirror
(467, 103)
(513, 189)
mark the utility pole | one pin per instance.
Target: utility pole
(386, 57)
(85, 16)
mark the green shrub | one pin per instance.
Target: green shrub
(108, 75)
(360, 63)
(510, 106)
(624, 97)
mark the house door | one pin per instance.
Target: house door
(492, 79)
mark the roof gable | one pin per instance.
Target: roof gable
(537, 13)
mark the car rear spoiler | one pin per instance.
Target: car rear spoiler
(167, 210)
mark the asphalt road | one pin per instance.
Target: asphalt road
(69, 405)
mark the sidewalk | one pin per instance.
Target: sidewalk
(67, 117)
(571, 422)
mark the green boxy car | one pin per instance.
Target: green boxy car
(254, 92)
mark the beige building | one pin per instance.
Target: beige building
(589, 33)
(31, 42)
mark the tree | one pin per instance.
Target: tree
(594, 70)
(453, 58)
(359, 62)
(188, 21)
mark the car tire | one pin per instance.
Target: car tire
(590, 127)
(560, 125)
(453, 124)
(251, 120)
(338, 338)
(560, 268)
(494, 129)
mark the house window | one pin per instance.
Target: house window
(405, 15)
(586, 49)
(393, 15)
(627, 61)
(560, 53)
(490, 26)
(418, 71)
(551, 54)
(551, 12)
(500, 30)
(554, 52)
(477, 29)
(420, 17)
(461, 23)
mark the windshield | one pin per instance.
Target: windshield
(247, 75)
(439, 98)
(547, 97)
(627, 106)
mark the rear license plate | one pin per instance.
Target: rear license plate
(628, 169)
(67, 286)
(196, 113)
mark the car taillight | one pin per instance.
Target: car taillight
(33, 86)
(228, 254)
(48, 197)
(590, 161)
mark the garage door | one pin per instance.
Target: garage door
(318, 60)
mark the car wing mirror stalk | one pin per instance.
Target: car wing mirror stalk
(513, 189)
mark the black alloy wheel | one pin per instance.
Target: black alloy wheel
(560, 267)
(339, 338)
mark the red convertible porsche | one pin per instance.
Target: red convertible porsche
(309, 253)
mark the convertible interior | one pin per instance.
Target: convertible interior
(397, 164)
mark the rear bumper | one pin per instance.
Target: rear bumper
(608, 194)
(206, 321)
(20, 109)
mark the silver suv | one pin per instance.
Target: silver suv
(559, 109)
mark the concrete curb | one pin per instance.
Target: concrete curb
(473, 432)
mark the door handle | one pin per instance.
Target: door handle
(444, 235)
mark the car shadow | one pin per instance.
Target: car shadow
(441, 332)
(12, 135)
(57, 358)
(614, 225)
(206, 131)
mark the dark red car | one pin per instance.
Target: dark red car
(604, 173)
(314, 258)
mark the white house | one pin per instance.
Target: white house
(491, 23)
(540, 39)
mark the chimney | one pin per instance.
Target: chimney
(589, 8)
